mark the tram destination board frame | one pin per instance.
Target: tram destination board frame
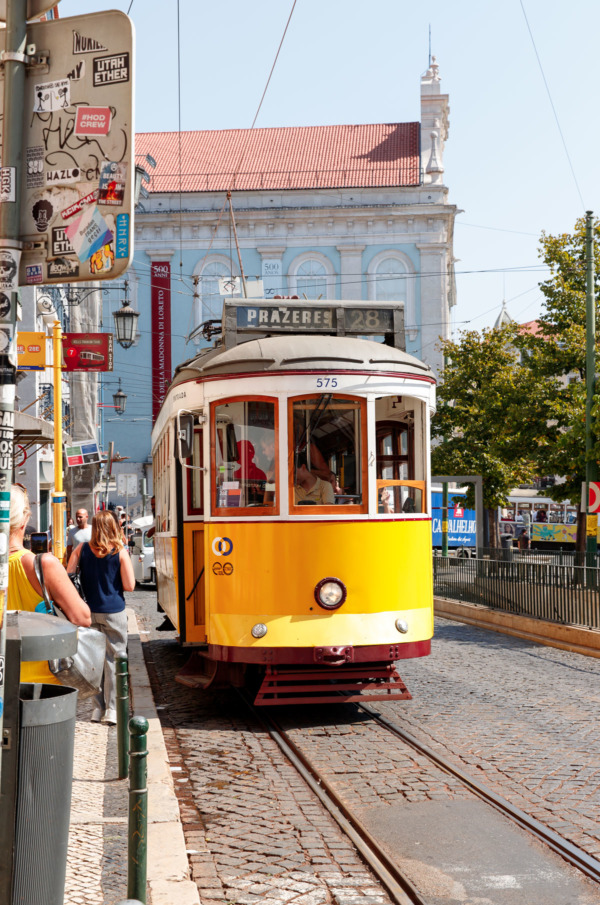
(244, 319)
(78, 173)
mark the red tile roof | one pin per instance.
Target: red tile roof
(532, 327)
(288, 158)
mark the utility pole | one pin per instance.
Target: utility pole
(59, 497)
(591, 468)
(10, 258)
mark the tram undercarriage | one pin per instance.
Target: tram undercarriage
(332, 678)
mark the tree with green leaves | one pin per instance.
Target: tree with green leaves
(493, 414)
(558, 351)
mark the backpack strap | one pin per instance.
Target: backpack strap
(39, 574)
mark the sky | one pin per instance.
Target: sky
(521, 156)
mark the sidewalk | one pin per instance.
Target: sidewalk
(97, 857)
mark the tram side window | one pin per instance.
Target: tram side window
(327, 451)
(394, 498)
(162, 484)
(245, 442)
(195, 474)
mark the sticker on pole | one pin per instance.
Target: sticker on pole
(594, 497)
(92, 121)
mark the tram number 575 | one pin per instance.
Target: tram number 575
(326, 382)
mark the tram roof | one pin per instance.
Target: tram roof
(292, 353)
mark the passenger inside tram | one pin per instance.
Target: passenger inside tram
(309, 490)
(327, 431)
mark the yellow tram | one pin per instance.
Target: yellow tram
(291, 484)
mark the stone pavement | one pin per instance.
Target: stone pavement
(97, 856)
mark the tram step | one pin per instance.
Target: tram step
(328, 686)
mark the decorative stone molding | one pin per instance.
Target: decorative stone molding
(351, 271)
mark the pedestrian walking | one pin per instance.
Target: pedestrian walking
(523, 540)
(79, 533)
(105, 571)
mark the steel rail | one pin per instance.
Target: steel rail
(400, 889)
(571, 853)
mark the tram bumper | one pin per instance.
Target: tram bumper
(334, 656)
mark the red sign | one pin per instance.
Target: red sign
(594, 497)
(92, 121)
(459, 512)
(87, 351)
(161, 332)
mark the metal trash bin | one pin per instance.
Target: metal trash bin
(37, 764)
(506, 543)
(46, 743)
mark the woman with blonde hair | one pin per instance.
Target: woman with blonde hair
(105, 571)
(24, 591)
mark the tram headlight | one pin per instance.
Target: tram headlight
(402, 626)
(259, 630)
(330, 593)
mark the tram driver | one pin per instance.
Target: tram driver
(309, 489)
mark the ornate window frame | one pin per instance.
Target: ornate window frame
(311, 256)
(199, 315)
(410, 312)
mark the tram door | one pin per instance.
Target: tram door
(192, 589)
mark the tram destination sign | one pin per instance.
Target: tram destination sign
(341, 318)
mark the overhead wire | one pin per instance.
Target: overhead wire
(560, 131)
(244, 149)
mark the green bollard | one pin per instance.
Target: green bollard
(138, 811)
(122, 670)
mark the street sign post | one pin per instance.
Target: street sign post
(78, 174)
(67, 166)
(31, 351)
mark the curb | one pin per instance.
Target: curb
(571, 638)
(168, 867)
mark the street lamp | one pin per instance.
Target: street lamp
(120, 400)
(126, 321)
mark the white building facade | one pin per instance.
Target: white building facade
(338, 212)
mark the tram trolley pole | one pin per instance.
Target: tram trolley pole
(122, 671)
(138, 810)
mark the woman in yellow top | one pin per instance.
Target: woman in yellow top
(24, 591)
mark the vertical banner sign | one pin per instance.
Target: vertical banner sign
(161, 332)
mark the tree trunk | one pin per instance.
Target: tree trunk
(493, 532)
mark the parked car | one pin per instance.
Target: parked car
(141, 549)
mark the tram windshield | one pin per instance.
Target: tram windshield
(327, 451)
(245, 454)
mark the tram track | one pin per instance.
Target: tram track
(571, 853)
(399, 887)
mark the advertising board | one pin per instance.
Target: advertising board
(87, 351)
(84, 453)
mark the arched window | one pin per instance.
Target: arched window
(208, 303)
(391, 278)
(311, 275)
(390, 281)
(208, 288)
(310, 279)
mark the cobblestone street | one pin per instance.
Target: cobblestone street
(517, 716)
(521, 717)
